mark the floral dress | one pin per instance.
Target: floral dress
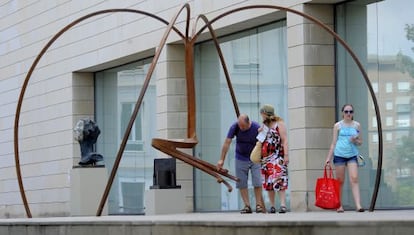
(274, 171)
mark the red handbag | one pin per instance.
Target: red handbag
(328, 190)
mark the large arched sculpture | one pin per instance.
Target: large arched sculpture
(170, 146)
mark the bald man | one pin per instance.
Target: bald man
(245, 132)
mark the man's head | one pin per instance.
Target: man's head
(244, 122)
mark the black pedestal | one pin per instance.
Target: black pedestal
(164, 176)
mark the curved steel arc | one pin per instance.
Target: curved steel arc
(222, 61)
(137, 106)
(354, 57)
(29, 74)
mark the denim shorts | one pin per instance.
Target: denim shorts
(242, 172)
(343, 161)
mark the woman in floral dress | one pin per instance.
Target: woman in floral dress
(274, 158)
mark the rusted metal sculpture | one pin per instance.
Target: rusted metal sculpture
(170, 146)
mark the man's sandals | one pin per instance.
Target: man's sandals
(260, 209)
(248, 210)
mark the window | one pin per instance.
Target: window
(116, 91)
(131, 195)
(368, 27)
(250, 58)
(375, 87)
(388, 87)
(403, 86)
(403, 120)
(374, 138)
(388, 136)
(389, 121)
(404, 173)
(388, 105)
(403, 104)
(135, 137)
(403, 108)
(243, 59)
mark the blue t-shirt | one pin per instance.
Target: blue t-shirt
(245, 140)
(344, 147)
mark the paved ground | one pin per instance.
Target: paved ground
(292, 223)
(225, 217)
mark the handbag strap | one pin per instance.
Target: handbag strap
(328, 167)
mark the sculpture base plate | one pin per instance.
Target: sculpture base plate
(164, 187)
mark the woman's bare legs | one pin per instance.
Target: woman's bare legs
(282, 197)
(354, 182)
(271, 194)
(353, 179)
(340, 175)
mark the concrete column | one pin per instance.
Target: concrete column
(172, 111)
(311, 82)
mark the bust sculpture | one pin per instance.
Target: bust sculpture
(86, 133)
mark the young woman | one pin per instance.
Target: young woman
(274, 158)
(344, 151)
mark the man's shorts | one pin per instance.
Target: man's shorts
(242, 172)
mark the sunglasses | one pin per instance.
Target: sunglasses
(348, 111)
